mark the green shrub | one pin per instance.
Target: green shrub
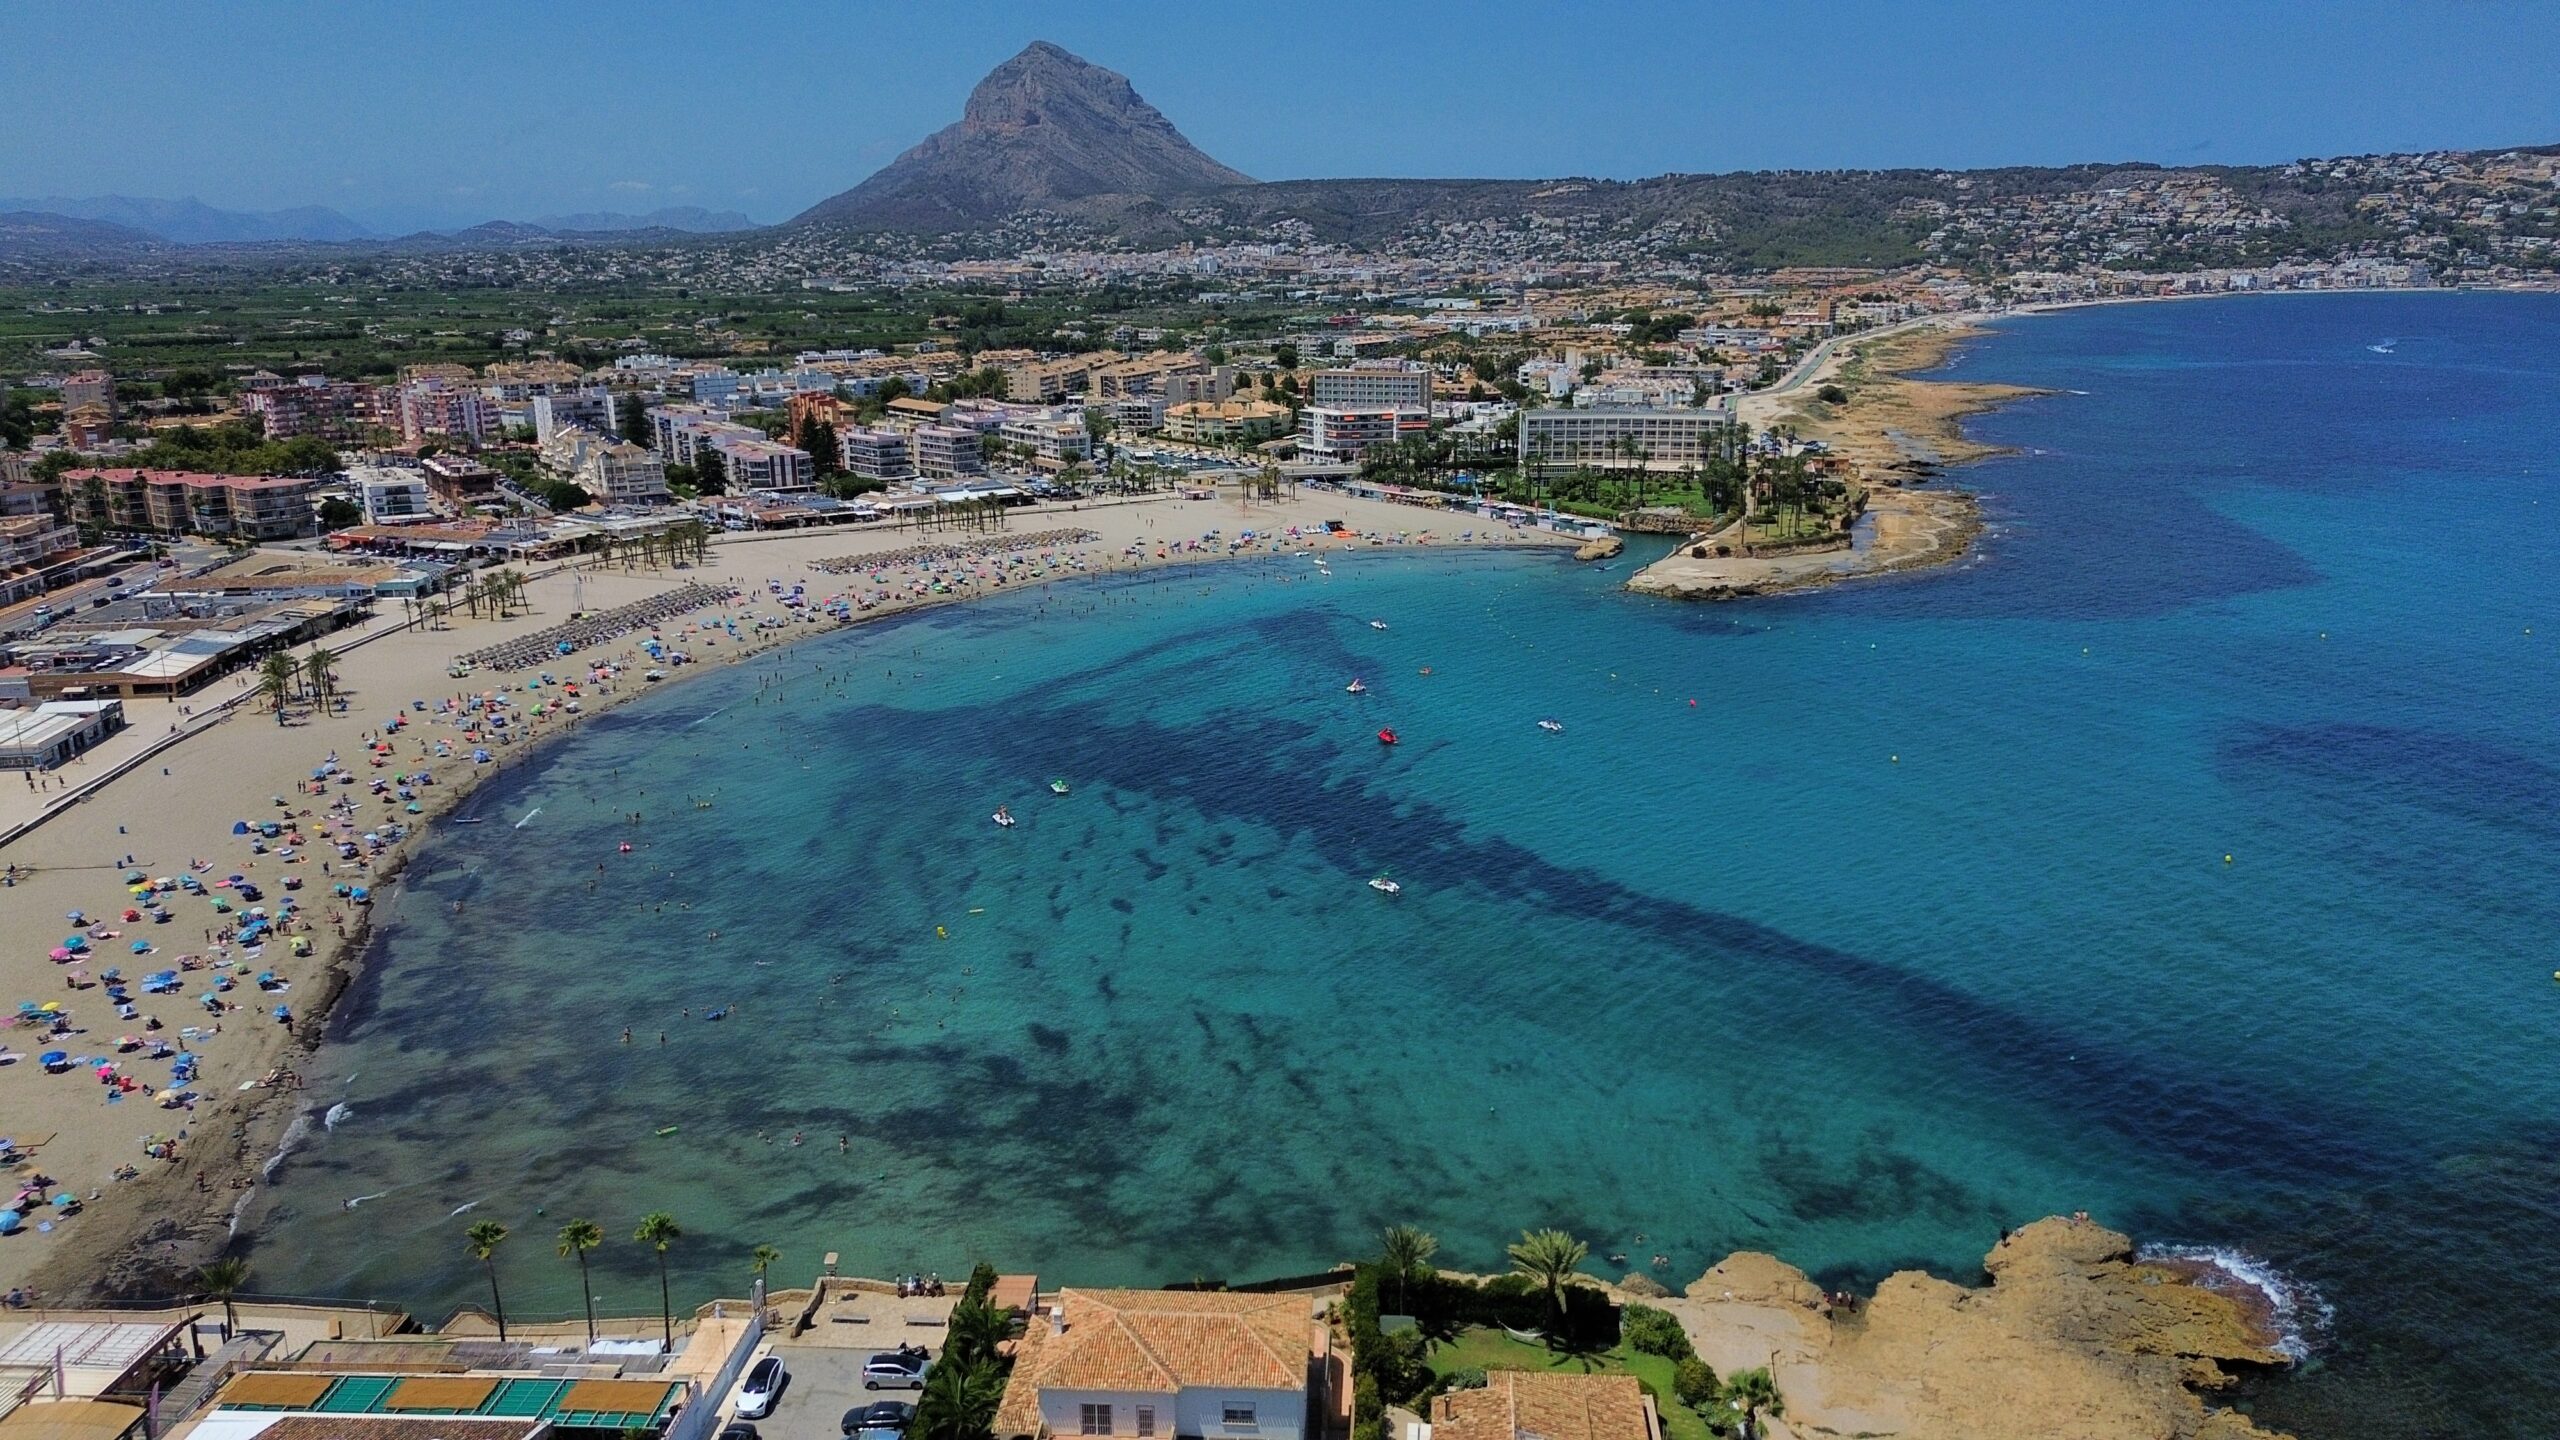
(1654, 1332)
(1832, 395)
(1696, 1383)
(1470, 1378)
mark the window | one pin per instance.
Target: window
(1237, 1414)
(1097, 1419)
(1146, 1421)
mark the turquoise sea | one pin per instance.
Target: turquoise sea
(2186, 856)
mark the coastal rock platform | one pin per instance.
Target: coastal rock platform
(2073, 1339)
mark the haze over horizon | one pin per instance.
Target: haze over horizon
(496, 113)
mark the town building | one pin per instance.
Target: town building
(459, 481)
(878, 454)
(1136, 414)
(591, 408)
(392, 494)
(1052, 441)
(752, 462)
(621, 473)
(313, 405)
(1374, 385)
(1337, 435)
(1164, 1364)
(89, 387)
(1549, 1405)
(179, 502)
(946, 452)
(53, 732)
(37, 552)
(434, 409)
(1616, 438)
(1225, 422)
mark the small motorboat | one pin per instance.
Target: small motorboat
(1057, 787)
(1386, 737)
(1356, 687)
(1003, 817)
(1385, 886)
(1552, 727)
(1377, 624)
(654, 675)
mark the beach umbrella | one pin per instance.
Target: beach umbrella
(75, 942)
(141, 947)
(65, 1200)
(59, 954)
(10, 1221)
(133, 877)
(54, 1057)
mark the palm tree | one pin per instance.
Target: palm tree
(576, 1239)
(222, 1279)
(761, 1259)
(318, 673)
(276, 676)
(659, 1231)
(1406, 1249)
(973, 1332)
(1549, 1257)
(1753, 1392)
(958, 1403)
(481, 1243)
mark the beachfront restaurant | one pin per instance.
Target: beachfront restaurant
(52, 733)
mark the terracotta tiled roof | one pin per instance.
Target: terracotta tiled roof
(1536, 1405)
(1156, 1342)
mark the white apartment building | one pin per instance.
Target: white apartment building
(590, 408)
(876, 454)
(1552, 439)
(1336, 435)
(753, 462)
(391, 494)
(622, 473)
(1054, 441)
(1374, 385)
(945, 452)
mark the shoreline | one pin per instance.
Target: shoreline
(1901, 431)
(143, 1237)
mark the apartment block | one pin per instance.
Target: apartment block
(1659, 439)
(434, 409)
(313, 405)
(1222, 422)
(1054, 441)
(1374, 385)
(876, 454)
(178, 502)
(945, 452)
(753, 462)
(89, 387)
(1338, 434)
(592, 408)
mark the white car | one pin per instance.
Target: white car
(763, 1386)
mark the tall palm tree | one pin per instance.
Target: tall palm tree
(576, 1239)
(973, 1332)
(1549, 1257)
(481, 1243)
(958, 1403)
(221, 1280)
(277, 675)
(761, 1259)
(659, 1231)
(1754, 1392)
(1404, 1250)
(318, 669)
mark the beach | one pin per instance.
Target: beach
(198, 1082)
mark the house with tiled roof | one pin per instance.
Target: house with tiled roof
(1168, 1365)
(1548, 1405)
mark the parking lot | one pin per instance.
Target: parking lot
(826, 1381)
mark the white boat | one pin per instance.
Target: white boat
(1552, 727)
(1377, 624)
(1355, 687)
(655, 675)
(1003, 818)
(1385, 886)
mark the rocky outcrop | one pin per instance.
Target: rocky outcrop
(2074, 1339)
(1603, 548)
(1644, 1286)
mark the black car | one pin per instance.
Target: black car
(739, 1430)
(879, 1417)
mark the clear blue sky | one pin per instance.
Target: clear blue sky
(452, 111)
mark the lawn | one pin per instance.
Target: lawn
(1483, 1349)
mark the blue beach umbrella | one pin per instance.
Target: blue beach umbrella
(75, 942)
(10, 1220)
(54, 1057)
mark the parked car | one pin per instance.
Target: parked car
(763, 1387)
(895, 1370)
(878, 1419)
(739, 1430)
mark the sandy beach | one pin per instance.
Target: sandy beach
(160, 1114)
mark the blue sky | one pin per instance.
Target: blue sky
(452, 111)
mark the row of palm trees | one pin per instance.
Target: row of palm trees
(686, 542)
(1553, 1260)
(658, 1230)
(281, 678)
(497, 591)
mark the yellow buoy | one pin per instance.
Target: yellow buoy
(939, 931)
(1897, 759)
(2226, 859)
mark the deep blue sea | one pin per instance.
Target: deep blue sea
(2186, 856)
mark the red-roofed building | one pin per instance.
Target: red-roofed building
(183, 502)
(1162, 1364)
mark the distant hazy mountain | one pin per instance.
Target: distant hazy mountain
(27, 234)
(193, 222)
(673, 217)
(1042, 130)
